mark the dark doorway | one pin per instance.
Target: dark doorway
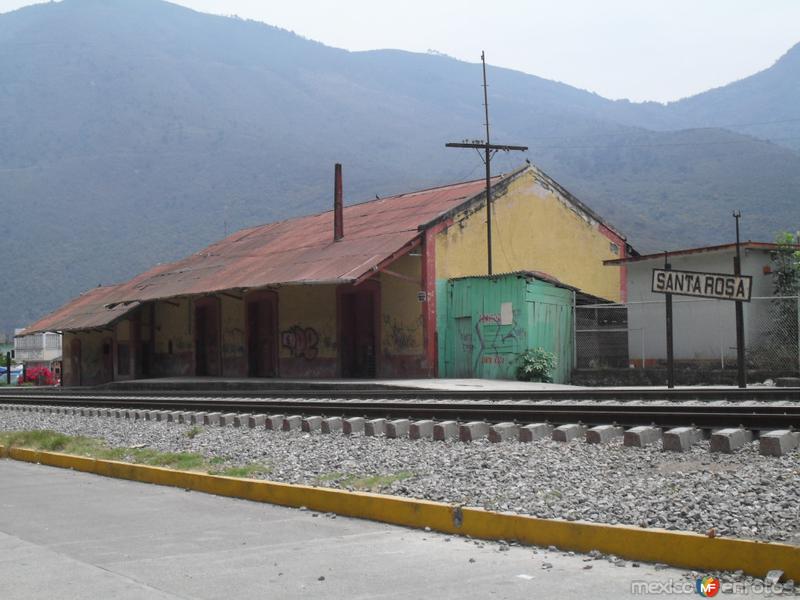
(206, 337)
(358, 339)
(108, 360)
(261, 338)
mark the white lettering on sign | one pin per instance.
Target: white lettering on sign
(704, 285)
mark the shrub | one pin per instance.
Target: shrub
(37, 376)
(537, 365)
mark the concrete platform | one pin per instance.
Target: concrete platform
(67, 535)
(270, 383)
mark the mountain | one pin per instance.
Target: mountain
(137, 131)
(764, 105)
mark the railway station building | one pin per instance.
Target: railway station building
(358, 291)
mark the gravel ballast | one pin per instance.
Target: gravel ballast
(742, 495)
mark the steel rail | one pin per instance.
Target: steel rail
(699, 394)
(703, 416)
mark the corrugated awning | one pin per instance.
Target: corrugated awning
(87, 311)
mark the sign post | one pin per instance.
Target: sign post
(737, 270)
(670, 352)
(722, 286)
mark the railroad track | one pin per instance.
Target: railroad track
(398, 393)
(756, 409)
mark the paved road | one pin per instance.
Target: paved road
(73, 535)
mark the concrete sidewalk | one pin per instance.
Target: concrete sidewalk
(73, 535)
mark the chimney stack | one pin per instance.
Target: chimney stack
(338, 209)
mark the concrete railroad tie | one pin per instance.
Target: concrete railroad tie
(274, 422)
(212, 418)
(534, 431)
(681, 439)
(730, 440)
(332, 424)
(503, 431)
(778, 442)
(375, 427)
(474, 430)
(421, 430)
(602, 434)
(398, 428)
(240, 420)
(639, 437)
(256, 421)
(446, 430)
(226, 419)
(353, 425)
(292, 423)
(311, 424)
(567, 433)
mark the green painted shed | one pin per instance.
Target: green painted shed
(488, 322)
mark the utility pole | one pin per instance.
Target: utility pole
(489, 149)
(737, 270)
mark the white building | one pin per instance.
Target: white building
(38, 350)
(704, 330)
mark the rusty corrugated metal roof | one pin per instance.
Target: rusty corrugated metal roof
(295, 251)
(302, 250)
(87, 311)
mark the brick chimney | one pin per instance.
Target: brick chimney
(338, 209)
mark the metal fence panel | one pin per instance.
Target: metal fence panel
(634, 334)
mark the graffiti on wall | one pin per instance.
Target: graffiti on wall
(401, 336)
(301, 342)
(495, 333)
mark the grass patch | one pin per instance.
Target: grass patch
(52, 441)
(193, 432)
(370, 483)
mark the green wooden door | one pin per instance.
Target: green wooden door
(462, 355)
(551, 330)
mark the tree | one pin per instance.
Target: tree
(786, 261)
(780, 344)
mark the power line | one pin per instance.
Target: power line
(666, 144)
(489, 150)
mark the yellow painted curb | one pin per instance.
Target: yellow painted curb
(678, 549)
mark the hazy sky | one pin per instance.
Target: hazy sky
(638, 49)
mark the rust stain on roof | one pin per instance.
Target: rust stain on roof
(87, 311)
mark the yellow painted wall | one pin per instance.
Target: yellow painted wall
(533, 228)
(401, 311)
(308, 307)
(91, 357)
(123, 330)
(234, 350)
(173, 323)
